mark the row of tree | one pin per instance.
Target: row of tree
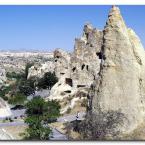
(39, 113)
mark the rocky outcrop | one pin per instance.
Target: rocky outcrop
(121, 82)
(62, 63)
(3, 77)
(4, 109)
(113, 62)
(39, 70)
(78, 70)
(84, 63)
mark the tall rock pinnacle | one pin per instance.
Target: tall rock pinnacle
(113, 62)
(115, 19)
(121, 82)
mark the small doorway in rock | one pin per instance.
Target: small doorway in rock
(87, 67)
(83, 66)
(69, 81)
(99, 54)
(74, 68)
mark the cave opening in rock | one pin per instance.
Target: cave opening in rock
(67, 91)
(91, 45)
(81, 86)
(83, 66)
(62, 73)
(74, 68)
(99, 54)
(87, 35)
(69, 81)
(87, 67)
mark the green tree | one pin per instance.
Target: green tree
(39, 114)
(17, 99)
(48, 80)
(27, 86)
(14, 75)
(3, 91)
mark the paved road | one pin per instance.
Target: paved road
(43, 93)
(18, 123)
(70, 118)
(18, 112)
(56, 134)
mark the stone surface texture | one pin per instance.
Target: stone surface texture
(4, 109)
(121, 82)
(113, 60)
(3, 77)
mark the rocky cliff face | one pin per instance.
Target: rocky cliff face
(77, 71)
(112, 60)
(84, 63)
(121, 82)
(40, 70)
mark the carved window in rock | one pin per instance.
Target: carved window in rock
(67, 91)
(99, 54)
(62, 73)
(57, 56)
(69, 81)
(87, 67)
(91, 45)
(81, 86)
(73, 69)
(87, 35)
(83, 66)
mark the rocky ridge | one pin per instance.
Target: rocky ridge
(113, 62)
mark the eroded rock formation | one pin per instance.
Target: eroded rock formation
(3, 77)
(121, 82)
(112, 60)
(39, 70)
(77, 71)
(4, 109)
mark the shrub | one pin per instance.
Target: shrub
(84, 103)
(15, 75)
(39, 114)
(47, 81)
(68, 110)
(17, 99)
(4, 91)
(98, 126)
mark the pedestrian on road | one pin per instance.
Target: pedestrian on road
(77, 116)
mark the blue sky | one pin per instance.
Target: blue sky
(50, 27)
